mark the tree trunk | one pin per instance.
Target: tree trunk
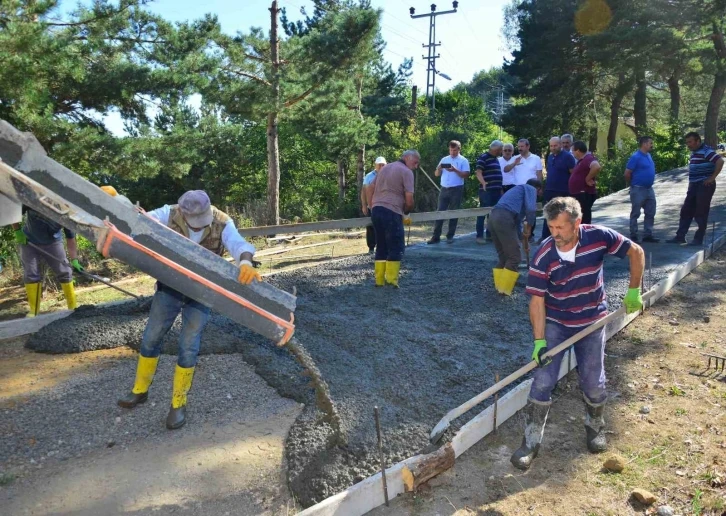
(674, 87)
(592, 143)
(640, 109)
(717, 92)
(341, 180)
(712, 111)
(273, 152)
(361, 158)
(620, 91)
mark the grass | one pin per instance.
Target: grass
(696, 505)
(676, 391)
(7, 478)
(681, 412)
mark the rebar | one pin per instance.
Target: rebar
(381, 455)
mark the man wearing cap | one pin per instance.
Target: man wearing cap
(391, 201)
(195, 218)
(366, 195)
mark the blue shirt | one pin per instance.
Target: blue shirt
(558, 171)
(491, 171)
(42, 231)
(370, 176)
(702, 164)
(522, 201)
(574, 292)
(643, 167)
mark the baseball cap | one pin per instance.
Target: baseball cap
(380, 160)
(110, 190)
(197, 208)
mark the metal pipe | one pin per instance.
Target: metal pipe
(380, 454)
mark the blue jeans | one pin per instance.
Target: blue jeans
(166, 305)
(642, 197)
(449, 199)
(487, 199)
(590, 354)
(547, 197)
(390, 241)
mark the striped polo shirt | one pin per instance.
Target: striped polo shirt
(574, 292)
(702, 164)
(491, 171)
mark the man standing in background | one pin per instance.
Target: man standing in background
(489, 175)
(365, 201)
(640, 175)
(704, 167)
(504, 162)
(391, 201)
(453, 170)
(524, 167)
(583, 180)
(559, 167)
(566, 142)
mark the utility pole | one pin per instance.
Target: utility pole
(432, 56)
(273, 151)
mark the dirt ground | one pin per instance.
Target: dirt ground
(677, 451)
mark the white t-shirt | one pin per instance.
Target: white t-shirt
(507, 177)
(568, 256)
(449, 179)
(527, 169)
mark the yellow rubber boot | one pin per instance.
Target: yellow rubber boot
(33, 291)
(182, 383)
(508, 279)
(145, 371)
(380, 272)
(69, 292)
(392, 270)
(497, 273)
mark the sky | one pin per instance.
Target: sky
(470, 38)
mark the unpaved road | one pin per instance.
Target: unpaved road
(66, 447)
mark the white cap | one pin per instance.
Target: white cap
(380, 160)
(197, 208)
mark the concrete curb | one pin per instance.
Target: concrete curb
(368, 494)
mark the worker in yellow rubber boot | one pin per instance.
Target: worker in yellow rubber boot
(392, 199)
(47, 239)
(195, 218)
(516, 206)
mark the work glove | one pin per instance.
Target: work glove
(20, 237)
(540, 348)
(247, 273)
(633, 300)
(406, 220)
(76, 265)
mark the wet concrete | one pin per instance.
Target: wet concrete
(416, 352)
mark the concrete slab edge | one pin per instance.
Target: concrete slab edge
(368, 494)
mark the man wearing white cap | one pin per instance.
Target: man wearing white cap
(366, 194)
(195, 218)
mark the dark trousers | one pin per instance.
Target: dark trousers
(506, 188)
(586, 201)
(389, 234)
(547, 197)
(696, 206)
(503, 225)
(449, 199)
(371, 237)
(487, 199)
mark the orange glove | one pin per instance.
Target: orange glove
(247, 273)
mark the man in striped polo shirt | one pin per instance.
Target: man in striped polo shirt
(567, 295)
(489, 175)
(703, 168)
